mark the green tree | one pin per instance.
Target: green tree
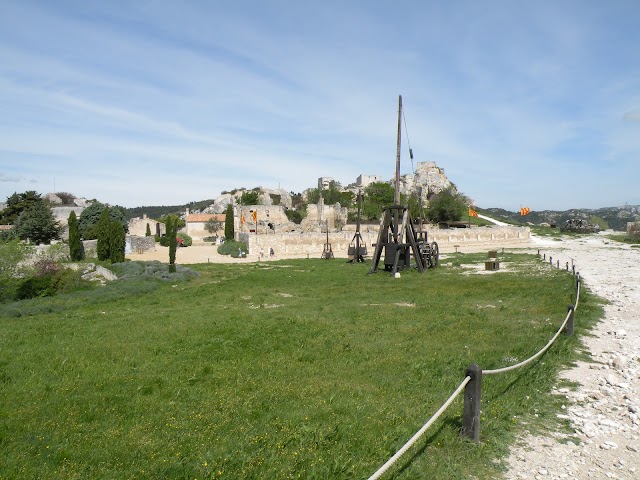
(334, 194)
(447, 205)
(313, 196)
(171, 233)
(229, 229)
(213, 225)
(116, 241)
(251, 197)
(75, 244)
(90, 216)
(37, 224)
(601, 222)
(148, 232)
(179, 221)
(103, 231)
(294, 215)
(18, 203)
(416, 207)
(377, 196)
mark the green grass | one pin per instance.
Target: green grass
(624, 238)
(291, 369)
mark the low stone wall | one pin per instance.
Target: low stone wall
(312, 244)
(133, 243)
(139, 244)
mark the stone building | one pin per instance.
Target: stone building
(195, 224)
(138, 226)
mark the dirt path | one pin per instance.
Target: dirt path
(604, 410)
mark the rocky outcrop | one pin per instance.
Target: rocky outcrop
(428, 180)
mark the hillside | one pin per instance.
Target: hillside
(616, 217)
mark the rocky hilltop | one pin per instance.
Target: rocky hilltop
(428, 180)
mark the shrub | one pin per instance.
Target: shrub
(35, 287)
(231, 247)
(187, 241)
(294, 216)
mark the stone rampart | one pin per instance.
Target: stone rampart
(312, 243)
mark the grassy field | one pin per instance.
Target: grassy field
(294, 369)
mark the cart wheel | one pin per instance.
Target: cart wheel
(435, 255)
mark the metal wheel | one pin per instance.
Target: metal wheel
(435, 255)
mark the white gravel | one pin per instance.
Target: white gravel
(605, 409)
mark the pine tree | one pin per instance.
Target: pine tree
(75, 244)
(103, 235)
(116, 242)
(148, 232)
(37, 224)
(229, 232)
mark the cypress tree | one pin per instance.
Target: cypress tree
(148, 232)
(75, 244)
(103, 235)
(171, 232)
(116, 242)
(229, 232)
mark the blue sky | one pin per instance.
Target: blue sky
(165, 102)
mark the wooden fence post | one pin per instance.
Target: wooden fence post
(568, 328)
(472, 394)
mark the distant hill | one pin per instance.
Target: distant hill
(158, 211)
(616, 217)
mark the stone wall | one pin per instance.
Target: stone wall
(138, 226)
(137, 243)
(133, 243)
(312, 243)
(61, 214)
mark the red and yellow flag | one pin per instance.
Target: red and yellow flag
(525, 211)
(473, 213)
(242, 218)
(255, 215)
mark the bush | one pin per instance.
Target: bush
(231, 248)
(187, 241)
(49, 278)
(35, 287)
(294, 216)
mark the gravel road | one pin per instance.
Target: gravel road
(605, 409)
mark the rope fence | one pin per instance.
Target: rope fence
(472, 383)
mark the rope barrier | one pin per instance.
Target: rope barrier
(419, 433)
(381, 471)
(532, 358)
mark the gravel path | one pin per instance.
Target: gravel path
(605, 409)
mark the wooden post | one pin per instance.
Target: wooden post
(568, 328)
(472, 393)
